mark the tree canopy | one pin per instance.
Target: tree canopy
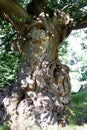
(17, 16)
(77, 9)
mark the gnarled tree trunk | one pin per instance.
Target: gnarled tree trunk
(42, 90)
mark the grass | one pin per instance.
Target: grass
(80, 97)
(78, 109)
(4, 127)
(77, 112)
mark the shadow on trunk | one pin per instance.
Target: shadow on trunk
(42, 90)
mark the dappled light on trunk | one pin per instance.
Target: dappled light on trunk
(41, 93)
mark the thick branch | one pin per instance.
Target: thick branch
(82, 23)
(12, 11)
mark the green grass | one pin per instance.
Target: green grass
(80, 98)
(78, 109)
(4, 127)
(77, 112)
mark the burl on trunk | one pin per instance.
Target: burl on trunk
(42, 90)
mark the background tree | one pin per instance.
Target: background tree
(41, 91)
(84, 59)
(77, 59)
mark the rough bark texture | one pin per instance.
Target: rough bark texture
(38, 98)
(42, 90)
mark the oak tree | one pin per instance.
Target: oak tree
(41, 92)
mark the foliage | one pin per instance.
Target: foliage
(24, 2)
(9, 60)
(77, 58)
(62, 51)
(74, 7)
(8, 66)
(84, 69)
(7, 34)
(84, 61)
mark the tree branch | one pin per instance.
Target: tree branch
(15, 14)
(81, 23)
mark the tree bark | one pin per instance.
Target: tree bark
(42, 90)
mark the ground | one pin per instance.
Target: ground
(74, 127)
(77, 112)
